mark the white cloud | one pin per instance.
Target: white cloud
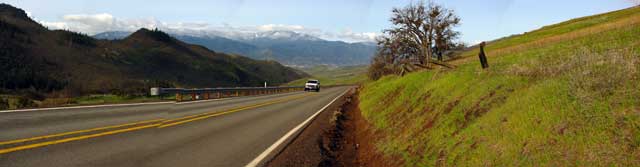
(103, 18)
(280, 27)
(362, 36)
(54, 25)
(96, 23)
(29, 14)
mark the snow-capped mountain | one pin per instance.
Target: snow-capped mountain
(280, 35)
(234, 35)
(287, 47)
(113, 35)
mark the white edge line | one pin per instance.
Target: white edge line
(275, 145)
(122, 105)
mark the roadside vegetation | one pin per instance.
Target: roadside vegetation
(563, 95)
(20, 102)
(329, 75)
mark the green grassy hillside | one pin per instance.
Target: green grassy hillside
(563, 95)
(333, 75)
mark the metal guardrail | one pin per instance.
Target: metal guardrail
(216, 93)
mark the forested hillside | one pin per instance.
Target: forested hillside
(41, 63)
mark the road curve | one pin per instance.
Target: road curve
(225, 132)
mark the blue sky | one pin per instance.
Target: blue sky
(348, 20)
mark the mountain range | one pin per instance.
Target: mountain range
(288, 47)
(36, 59)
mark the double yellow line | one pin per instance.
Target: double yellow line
(183, 120)
(159, 123)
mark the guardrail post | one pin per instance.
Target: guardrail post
(178, 97)
(237, 93)
(217, 95)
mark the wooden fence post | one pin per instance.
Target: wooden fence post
(483, 57)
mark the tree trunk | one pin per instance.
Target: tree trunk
(427, 54)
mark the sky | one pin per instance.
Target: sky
(345, 20)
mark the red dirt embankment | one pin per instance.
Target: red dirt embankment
(339, 136)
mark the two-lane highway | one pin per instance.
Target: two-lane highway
(225, 132)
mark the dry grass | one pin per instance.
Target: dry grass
(601, 75)
(622, 23)
(591, 75)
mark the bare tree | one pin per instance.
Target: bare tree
(412, 25)
(384, 61)
(421, 30)
(445, 20)
(429, 27)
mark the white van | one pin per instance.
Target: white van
(312, 84)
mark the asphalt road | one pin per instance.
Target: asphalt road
(225, 132)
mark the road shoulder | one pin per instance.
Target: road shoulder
(337, 137)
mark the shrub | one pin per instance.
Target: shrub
(4, 103)
(379, 68)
